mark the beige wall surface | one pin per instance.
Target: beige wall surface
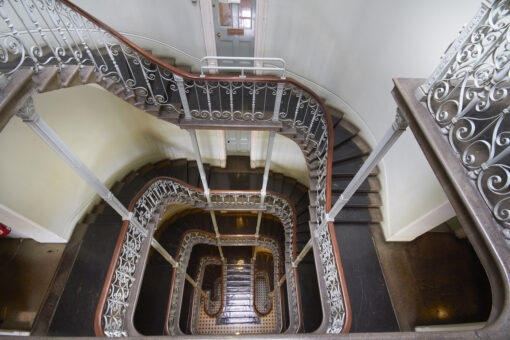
(112, 138)
(347, 51)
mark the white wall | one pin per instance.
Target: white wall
(347, 51)
(176, 23)
(42, 198)
(110, 136)
(353, 49)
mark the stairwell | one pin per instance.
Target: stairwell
(98, 230)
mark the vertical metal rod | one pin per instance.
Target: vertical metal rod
(217, 232)
(198, 157)
(391, 136)
(207, 192)
(282, 280)
(265, 178)
(303, 253)
(162, 251)
(278, 101)
(182, 94)
(269, 155)
(38, 125)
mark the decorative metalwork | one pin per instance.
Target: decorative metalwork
(39, 33)
(262, 298)
(163, 192)
(468, 99)
(193, 238)
(212, 308)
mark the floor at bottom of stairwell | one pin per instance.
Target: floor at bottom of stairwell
(26, 271)
(435, 279)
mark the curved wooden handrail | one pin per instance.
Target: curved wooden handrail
(227, 236)
(98, 321)
(273, 79)
(221, 295)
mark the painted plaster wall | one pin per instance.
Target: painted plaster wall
(42, 198)
(110, 136)
(348, 51)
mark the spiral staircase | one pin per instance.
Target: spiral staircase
(110, 282)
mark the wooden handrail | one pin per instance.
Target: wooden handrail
(273, 79)
(212, 235)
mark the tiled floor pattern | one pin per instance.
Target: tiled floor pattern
(207, 325)
(263, 301)
(213, 305)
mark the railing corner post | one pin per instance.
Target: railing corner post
(182, 93)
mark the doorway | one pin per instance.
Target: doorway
(234, 27)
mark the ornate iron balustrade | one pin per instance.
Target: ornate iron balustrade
(120, 296)
(59, 33)
(467, 96)
(211, 307)
(194, 237)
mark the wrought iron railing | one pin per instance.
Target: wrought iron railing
(119, 292)
(194, 237)
(467, 96)
(60, 33)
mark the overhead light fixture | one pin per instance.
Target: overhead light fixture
(239, 222)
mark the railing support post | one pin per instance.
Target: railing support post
(278, 101)
(28, 114)
(391, 136)
(303, 253)
(162, 251)
(265, 178)
(182, 93)
(207, 192)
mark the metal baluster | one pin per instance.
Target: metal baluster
(253, 102)
(231, 102)
(278, 101)
(39, 126)
(182, 94)
(208, 94)
(297, 108)
(391, 136)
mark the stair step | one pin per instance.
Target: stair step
(336, 115)
(354, 147)
(70, 76)
(168, 60)
(48, 79)
(88, 74)
(238, 296)
(184, 68)
(240, 320)
(361, 200)
(371, 184)
(238, 308)
(344, 131)
(350, 167)
(359, 215)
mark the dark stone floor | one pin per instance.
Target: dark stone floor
(435, 279)
(26, 270)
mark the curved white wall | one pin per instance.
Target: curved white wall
(348, 51)
(176, 23)
(110, 136)
(42, 198)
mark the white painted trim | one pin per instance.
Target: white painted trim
(260, 32)
(430, 220)
(208, 26)
(23, 227)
